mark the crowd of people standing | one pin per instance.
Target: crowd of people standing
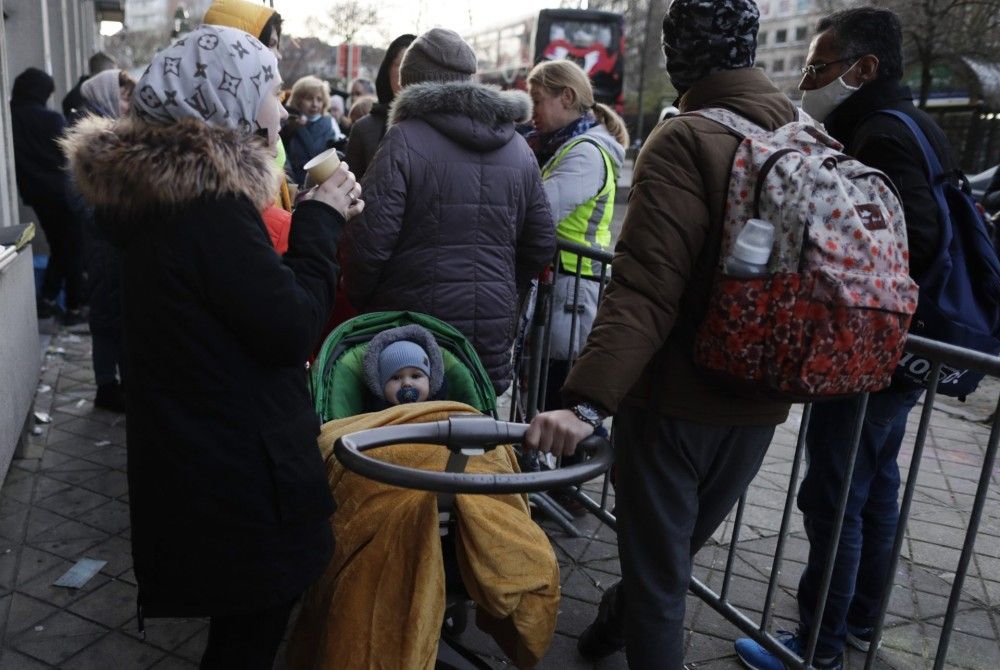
(214, 261)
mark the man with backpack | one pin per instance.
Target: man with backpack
(852, 76)
(686, 446)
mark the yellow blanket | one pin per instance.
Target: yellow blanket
(381, 601)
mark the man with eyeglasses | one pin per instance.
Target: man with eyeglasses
(853, 70)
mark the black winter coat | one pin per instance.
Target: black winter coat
(456, 221)
(885, 143)
(227, 488)
(366, 134)
(39, 162)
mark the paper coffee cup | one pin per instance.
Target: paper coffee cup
(321, 167)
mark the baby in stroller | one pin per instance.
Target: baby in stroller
(404, 365)
(382, 600)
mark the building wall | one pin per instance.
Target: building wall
(57, 36)
(786, 27)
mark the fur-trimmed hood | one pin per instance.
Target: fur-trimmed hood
(412, 333)
(132, 167)
(477, 116)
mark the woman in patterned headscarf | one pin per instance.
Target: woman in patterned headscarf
(227, 489)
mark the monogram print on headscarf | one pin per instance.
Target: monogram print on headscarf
(148, 96)
(172, 66)
(202, 104)
(230, 84)
(255, 79)
(170, 99)
(199, 70)
(255, 43)
(208, 42)
(240, 50)
(268, 72)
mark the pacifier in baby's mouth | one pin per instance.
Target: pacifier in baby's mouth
(407, 394)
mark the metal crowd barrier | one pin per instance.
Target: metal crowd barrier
(529, 394)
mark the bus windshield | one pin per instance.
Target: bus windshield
(592, 39)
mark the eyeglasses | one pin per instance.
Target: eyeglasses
(813, 69)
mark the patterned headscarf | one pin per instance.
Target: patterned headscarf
(216, 74)
(102, 93)
(703, 36)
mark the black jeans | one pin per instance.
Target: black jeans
(676, 482)
(64, 232)
(246, 641)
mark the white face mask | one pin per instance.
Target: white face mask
(819, 102)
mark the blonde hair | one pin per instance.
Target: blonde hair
(556, 75)
(310, 85)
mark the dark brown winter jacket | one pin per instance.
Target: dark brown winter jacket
(455, 221)
(640, 350)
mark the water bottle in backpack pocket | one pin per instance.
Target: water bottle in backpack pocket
(960, 291)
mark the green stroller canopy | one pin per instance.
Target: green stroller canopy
(338, 378)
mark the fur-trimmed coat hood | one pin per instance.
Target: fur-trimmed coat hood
(477, 116)
(133, 168)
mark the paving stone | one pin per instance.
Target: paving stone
(19, 489)
(62, 635)
(72, 502)
(53, 460)
(69, 539)
(24, 612)
(562, 654)
(34, 562)
(111, 518)
(175, 663)
(110, 605)
(194, 647)
(13, 660)
(86, 427)
(167, 634)
(41, 587)
(118, 554)
(702, 648)
(115, 651)
(112, 484)
(111, 456)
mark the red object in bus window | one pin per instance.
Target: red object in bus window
(593, 59)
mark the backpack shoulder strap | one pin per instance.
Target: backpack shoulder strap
(738, 125)
(931, 161)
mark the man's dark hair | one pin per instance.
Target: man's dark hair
(100, 62)
(271, 29)
(868, 30)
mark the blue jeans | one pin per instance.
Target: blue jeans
(862, 562)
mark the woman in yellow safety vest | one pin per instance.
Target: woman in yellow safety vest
(580, 146)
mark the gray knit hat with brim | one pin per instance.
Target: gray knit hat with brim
(437, 55)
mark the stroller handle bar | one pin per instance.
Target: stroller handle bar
(457, 433)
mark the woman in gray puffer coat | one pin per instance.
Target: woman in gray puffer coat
(457, 222)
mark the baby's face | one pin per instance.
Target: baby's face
(407, 378)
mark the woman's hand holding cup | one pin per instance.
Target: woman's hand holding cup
(337, 185)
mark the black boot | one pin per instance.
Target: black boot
(606, 634)
(110, 397)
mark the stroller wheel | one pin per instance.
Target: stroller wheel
(456, 618)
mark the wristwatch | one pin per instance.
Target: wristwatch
(588, 413)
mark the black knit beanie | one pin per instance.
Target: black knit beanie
(704, 36)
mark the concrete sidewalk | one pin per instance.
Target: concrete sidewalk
(68, 499)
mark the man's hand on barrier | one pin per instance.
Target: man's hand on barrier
(557, 432)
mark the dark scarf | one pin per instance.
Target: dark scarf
(545, 145)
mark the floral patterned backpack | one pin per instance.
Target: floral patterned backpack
(830, 316)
